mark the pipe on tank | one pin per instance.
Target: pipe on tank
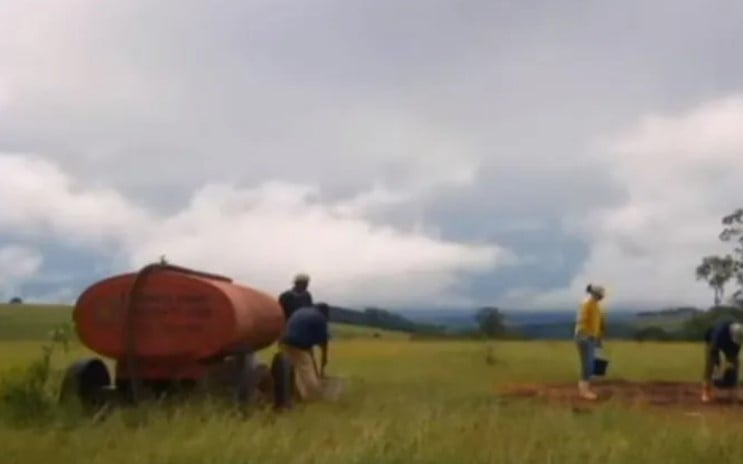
(129, 336)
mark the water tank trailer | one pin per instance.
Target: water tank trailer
(168, 328)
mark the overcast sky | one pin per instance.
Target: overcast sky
(413, 153)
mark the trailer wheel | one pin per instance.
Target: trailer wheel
(86, 381)
(282, 372)
(249, 375)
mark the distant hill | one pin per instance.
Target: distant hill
(553, 325)
(515, 317)
(28, 321)
(684, 312)
(381, 319)
(449, 318)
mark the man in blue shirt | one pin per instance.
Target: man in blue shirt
(725, 338)
(306, 328)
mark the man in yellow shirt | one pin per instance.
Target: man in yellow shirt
(589, 332)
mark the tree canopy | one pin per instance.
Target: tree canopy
(491, 321)
(720, 271)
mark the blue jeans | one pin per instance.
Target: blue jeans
(586, 352)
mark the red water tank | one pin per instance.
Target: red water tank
(166, 312)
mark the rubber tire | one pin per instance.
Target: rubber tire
(247, 379)
(86, 381)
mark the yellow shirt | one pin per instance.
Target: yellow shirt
(590, 319)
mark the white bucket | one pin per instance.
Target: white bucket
(332, 388)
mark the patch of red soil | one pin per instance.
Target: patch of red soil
(663, 394)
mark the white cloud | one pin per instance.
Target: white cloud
(682, 173)
(386, 110)
(38, 199)
(267, 234)
(17, 264)
(260, 236)
(112, 94)
(134, 106)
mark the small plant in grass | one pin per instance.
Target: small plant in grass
(25, 393)
(490, 358)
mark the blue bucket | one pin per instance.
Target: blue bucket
(599, 366)
(729, 379)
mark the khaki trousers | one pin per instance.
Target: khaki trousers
(307, 379)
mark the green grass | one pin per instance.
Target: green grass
(31, 322)
(348, 331)
(408, 402)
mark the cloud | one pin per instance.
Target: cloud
(267, 234)
(17, 264)
(211, 98)
(40, 200)
(681, 174)
(464, 124)
(260, 235)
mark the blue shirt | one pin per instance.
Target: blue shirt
(720, 339)
(306, 328)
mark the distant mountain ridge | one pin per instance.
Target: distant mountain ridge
(463, 317)
(556, 325)
(681, 312)
(527, 324)
(381, 319)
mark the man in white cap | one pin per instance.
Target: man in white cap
(725, 337)
(296, 297)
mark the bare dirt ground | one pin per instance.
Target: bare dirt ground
(680, 395)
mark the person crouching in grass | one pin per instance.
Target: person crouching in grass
(306, 328)
(725, 337)
(589, 330)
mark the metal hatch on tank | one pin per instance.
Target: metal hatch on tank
(167, 326)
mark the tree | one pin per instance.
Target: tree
(733, 231)
(717, 272)
(491, 321)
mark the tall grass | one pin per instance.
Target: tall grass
(388, 426)
(407, 402)
(412, 402)
(28, 393)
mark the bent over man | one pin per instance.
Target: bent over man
(306, 328)
(725, 338)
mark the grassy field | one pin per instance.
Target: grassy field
(407, 402)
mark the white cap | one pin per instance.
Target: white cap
(301, 277)
(597, 289)
(736, 332)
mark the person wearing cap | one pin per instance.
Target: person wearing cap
(589, 332)
(296, 297)
(306, 328)
(725, 337)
